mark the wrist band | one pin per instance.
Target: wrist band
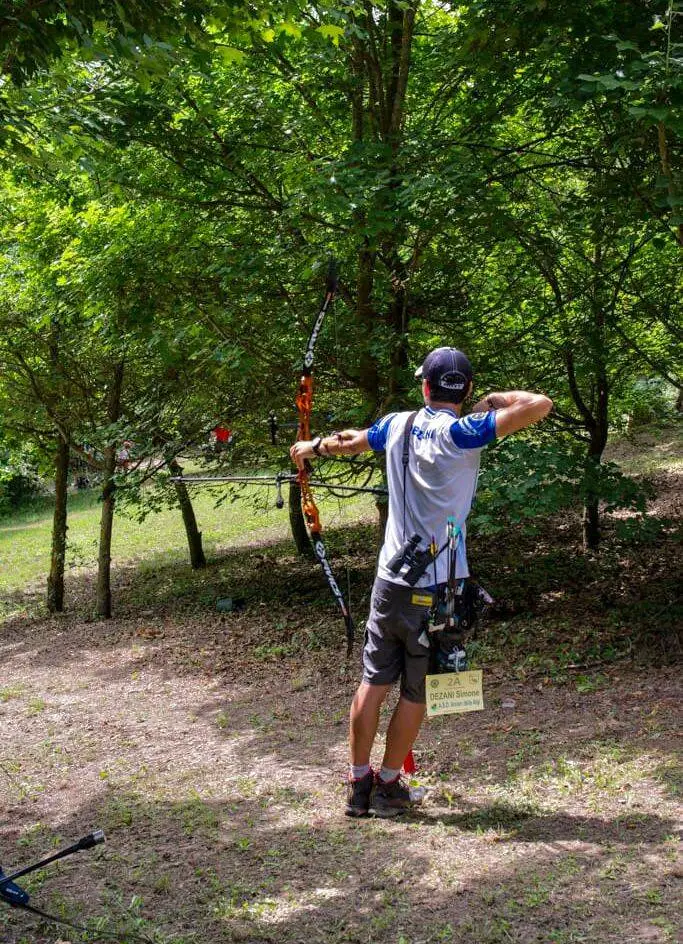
(315, 445)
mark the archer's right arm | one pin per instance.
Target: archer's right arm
(515, 409)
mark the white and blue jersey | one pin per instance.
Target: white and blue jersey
(441, 481)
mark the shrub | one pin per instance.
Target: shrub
(648, 400)
(19, 483)
(521, 480)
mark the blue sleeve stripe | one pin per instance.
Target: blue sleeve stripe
(377, 434)
(474, 431)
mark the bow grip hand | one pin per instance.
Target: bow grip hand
(300, 452)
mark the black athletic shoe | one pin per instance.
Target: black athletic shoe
(358, 797)
(390, 799)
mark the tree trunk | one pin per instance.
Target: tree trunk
(55, 581)
(397, 318)
(591, 508)
(667, 172)
(591, 524)
(598, 440)
(194, 535)
(103, 604)
(381, 61)
(297, 522)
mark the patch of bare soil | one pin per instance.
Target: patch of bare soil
(212, 748)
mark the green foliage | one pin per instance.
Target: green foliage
(32, 39)
(648, 401)
(16, 488)
(19, 481)
(649, 73)
(522, 479)
(176, 180)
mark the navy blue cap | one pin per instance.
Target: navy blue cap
(448, 370)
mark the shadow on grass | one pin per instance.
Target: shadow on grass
(273, 859)
(519, 824)
(259, 869)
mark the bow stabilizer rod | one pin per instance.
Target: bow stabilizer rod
(275, 480)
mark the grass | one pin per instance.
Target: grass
(648, 451)
(240, 517)
(604, 771)
(160, 538)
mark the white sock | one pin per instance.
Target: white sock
(386, 775)
(357, 773)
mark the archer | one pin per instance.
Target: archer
(432, 459)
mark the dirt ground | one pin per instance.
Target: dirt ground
(211, 748)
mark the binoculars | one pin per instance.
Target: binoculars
(411, 558)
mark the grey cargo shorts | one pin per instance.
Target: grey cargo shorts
(395, 646)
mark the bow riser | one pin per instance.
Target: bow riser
(308, 505)
(304, 404)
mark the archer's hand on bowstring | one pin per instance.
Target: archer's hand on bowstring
(515, 409)
(350, 442)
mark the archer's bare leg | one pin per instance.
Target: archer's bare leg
(364, 721)
(403, 729)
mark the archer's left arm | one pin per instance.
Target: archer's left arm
(350, 442)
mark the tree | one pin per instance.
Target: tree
(488, 175)
(88, 348)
